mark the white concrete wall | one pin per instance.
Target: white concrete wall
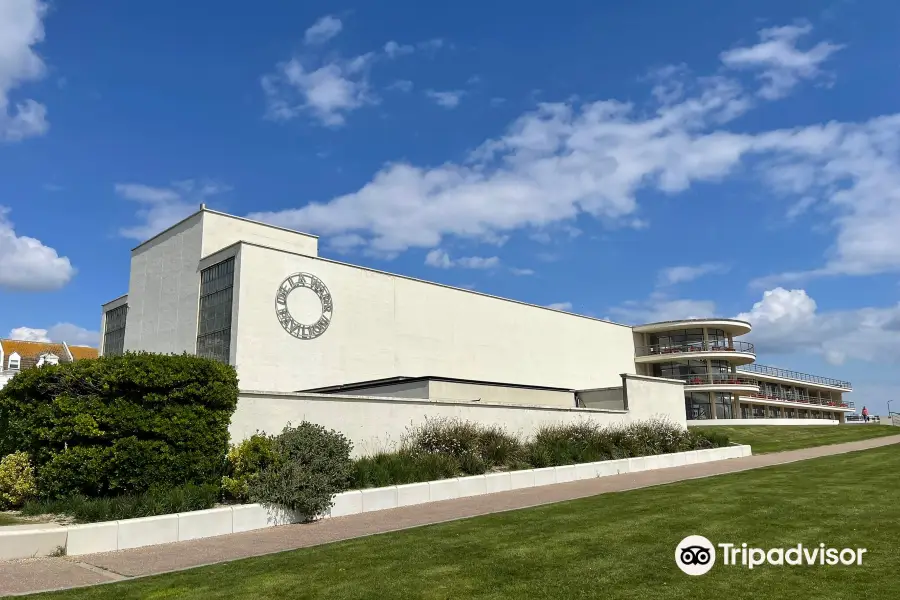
(164, 291)
(451, 390)
(414, 389)
(733, 422)
(375, 424)
(609, 398)
(221, 230)
(654, 397)
(385, 325)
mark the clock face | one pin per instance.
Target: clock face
(303, 331)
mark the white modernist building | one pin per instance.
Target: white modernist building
(260, 298)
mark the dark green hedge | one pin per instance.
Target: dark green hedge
(120, 424)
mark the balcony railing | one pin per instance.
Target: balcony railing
(711, 346)
(716, 379)
(787, 397)
(796, 376)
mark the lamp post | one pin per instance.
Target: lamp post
(889, 407)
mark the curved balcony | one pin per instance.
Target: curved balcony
(735, 327)
(798, 400)
(719, 382)
(778, 374)
(738, 353)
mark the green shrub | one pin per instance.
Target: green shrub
(120, 424)
(477, 448)
(156, 501)
(244, 464)
(557, 445)
(17, 483)
(309, 466)
(711, 439)
(405, 466)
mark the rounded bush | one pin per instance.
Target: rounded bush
(17, 482)
(310, 464)
(244, 463)
(120, 424)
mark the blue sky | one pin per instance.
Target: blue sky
(638, 162)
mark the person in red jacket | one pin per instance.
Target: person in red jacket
(865, 414)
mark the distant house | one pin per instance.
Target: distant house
(18, 355)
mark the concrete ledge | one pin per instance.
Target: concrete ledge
(521, 479)
(413, 493)
(16, 543)
(92, 538)
(472, 486)
(205, 523)
(545, 476)
(565, 474)
(347, 503)
(32, 542)
(247, 517)
(497, 482)
(379, 498)
(147, 531)
(445, 489)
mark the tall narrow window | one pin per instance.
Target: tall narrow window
(214, 323)
(114, 335)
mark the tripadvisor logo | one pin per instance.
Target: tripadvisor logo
(696, 555)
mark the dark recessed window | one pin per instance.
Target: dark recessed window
(214, 321)
(114, 331)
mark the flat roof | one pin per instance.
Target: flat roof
(203, 209)
(410, 278)
(734, 326)
(406, 379)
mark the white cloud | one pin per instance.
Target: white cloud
(497, 101)
(441, 259)
(564, 306)
(521, 272)
(448, 99)
(393, 49)
(781, 64)
(566, 159)
(432, 44)
(21, 28)
(327, 92)
(686, 273)
(61, 332)
(162, 207)
(323, 30)
(403, 85)
(788, 321)
(29, 265)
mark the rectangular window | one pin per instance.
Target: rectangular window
(114, 334)
(214, 321)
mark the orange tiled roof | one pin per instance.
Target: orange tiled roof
(32, 349)
(83, 352)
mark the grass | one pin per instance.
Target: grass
(618, 546)
(771, 438)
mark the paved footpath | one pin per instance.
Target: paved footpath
(41, 574)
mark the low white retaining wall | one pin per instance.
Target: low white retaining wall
(135, 533)
(375, 424)
(733, 422)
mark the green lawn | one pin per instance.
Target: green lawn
(610, 546)
(776, 438)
